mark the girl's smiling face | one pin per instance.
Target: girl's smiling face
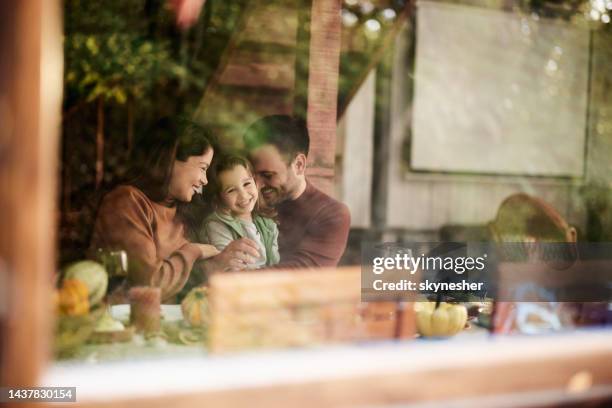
(238, 191)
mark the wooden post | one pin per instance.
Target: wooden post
(324, 66)
(31, 67)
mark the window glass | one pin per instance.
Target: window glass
(185, 169)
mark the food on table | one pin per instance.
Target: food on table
(145, 308)
(195, 307)
(72, 331)
(121, 336)
(445, 320)
(110, 330)
(191, 337)
(93, 275)
(108, 324)
(74, 298)
(76, 321)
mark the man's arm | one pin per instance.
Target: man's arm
(324, 240)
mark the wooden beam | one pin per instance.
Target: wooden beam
(324, 66)
(30, 88)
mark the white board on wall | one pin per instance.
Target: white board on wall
(498, 93)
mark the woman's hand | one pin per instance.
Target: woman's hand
(237, 255)
(207, 251)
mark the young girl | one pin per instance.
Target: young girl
(237, 215)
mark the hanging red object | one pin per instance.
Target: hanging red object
(187, 11)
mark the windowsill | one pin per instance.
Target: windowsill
(149, 379)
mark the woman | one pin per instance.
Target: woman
(141, 216)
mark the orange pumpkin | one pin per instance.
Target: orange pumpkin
(195, 307)
(74, 298)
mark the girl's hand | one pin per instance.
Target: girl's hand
(238, 255)
(207, 251)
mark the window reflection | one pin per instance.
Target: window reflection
(179, 114)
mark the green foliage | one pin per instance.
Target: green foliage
(115, 65)
(117, 50)
(110, 54)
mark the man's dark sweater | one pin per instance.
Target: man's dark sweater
(313, 230)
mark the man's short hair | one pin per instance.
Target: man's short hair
(288, 134)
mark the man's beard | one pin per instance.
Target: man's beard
(274, 197)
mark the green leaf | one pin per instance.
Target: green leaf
(90, 78)
(146, 47)
(120, 96)
(92, 45)
(97, 91)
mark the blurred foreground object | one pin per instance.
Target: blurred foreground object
(299, 308)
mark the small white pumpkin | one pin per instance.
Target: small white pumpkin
(93, 274)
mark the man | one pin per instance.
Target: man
(313, 227)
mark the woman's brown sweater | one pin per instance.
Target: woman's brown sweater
(158, 253)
